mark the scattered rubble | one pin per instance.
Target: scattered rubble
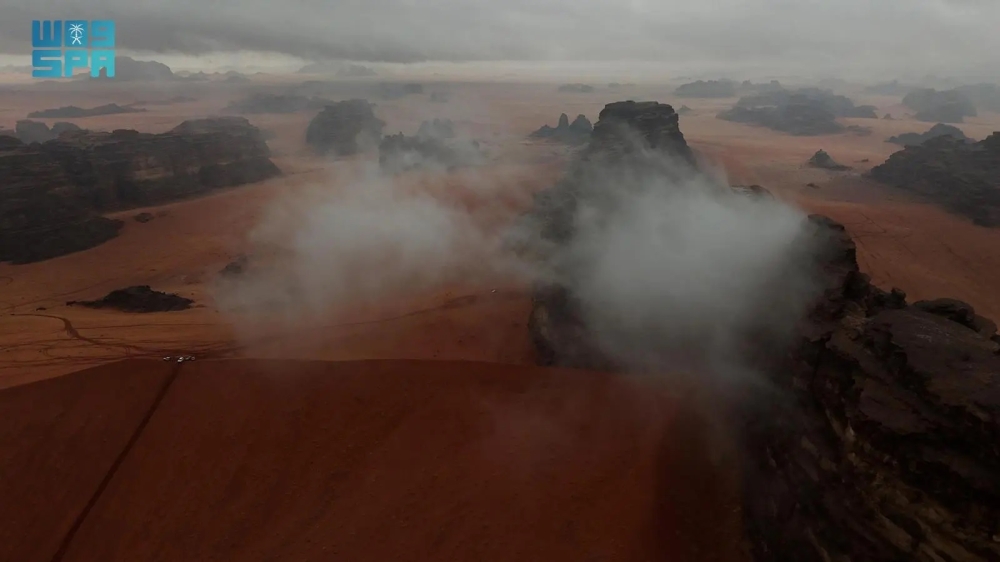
(139, 298)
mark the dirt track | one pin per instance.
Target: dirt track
(373, 460)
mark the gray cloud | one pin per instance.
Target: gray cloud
(842, 35)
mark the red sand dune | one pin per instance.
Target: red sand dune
(373, 460)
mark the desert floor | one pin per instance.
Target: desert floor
(586, 445)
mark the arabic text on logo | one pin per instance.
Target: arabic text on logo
(61, 47)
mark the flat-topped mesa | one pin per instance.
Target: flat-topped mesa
(42, 215)
(126, 168)
(647, 128)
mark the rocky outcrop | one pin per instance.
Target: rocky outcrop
(139, 298)
(392, 91)
(806, 111)
(707, 89)
(984, 96)
(877, 439)
(576, 88)
(960, 176)
(400, 153)
(874, 437)
(345, 128)
(258, 103)
(42, 214)
(437, 128)
(72, 111)
(54, 192)
(129, 69)
(628, 138)
(577, 132)
(939, 130)
(36, 131)
(823, 160)
(803, 119)
(949, 106)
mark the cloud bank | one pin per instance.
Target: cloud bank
(859, 35)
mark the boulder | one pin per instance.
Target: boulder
(805, 111)
(961, 176)
(344, 128)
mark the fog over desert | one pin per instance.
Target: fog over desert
(533, 280)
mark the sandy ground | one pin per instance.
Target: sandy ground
(343, 459)
(372, 460)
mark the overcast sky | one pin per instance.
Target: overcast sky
(835, 36)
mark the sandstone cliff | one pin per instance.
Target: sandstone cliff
(877, 441)
(42, 214)
(55, 190)
(874, 437)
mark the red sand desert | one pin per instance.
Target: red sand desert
(412, 428)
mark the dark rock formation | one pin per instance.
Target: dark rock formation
(72, 111)
(577, 132)
(36, 131)
(887, 117)
(877, 441)
(345, 128)
(392, 91)
(803, 118)
(753, 191)
(949, 106)
(629, 137)
(258, 103)
(53, 192)
(41, 214)
(807, 111)
(707, 89)
(129, 69)
(939, 130)
(143, 217)
(983, 96)
(683, 110)
(437, 128)
(139, 298)
(400, 153)
(823, 160)
(576, 88)
(960, 176)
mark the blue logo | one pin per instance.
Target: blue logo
(61, 47)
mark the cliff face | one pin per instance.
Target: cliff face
(879, 443)
(629, 139)
(57, 188)
(873, 434)
(960, 176)
(41, 213)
